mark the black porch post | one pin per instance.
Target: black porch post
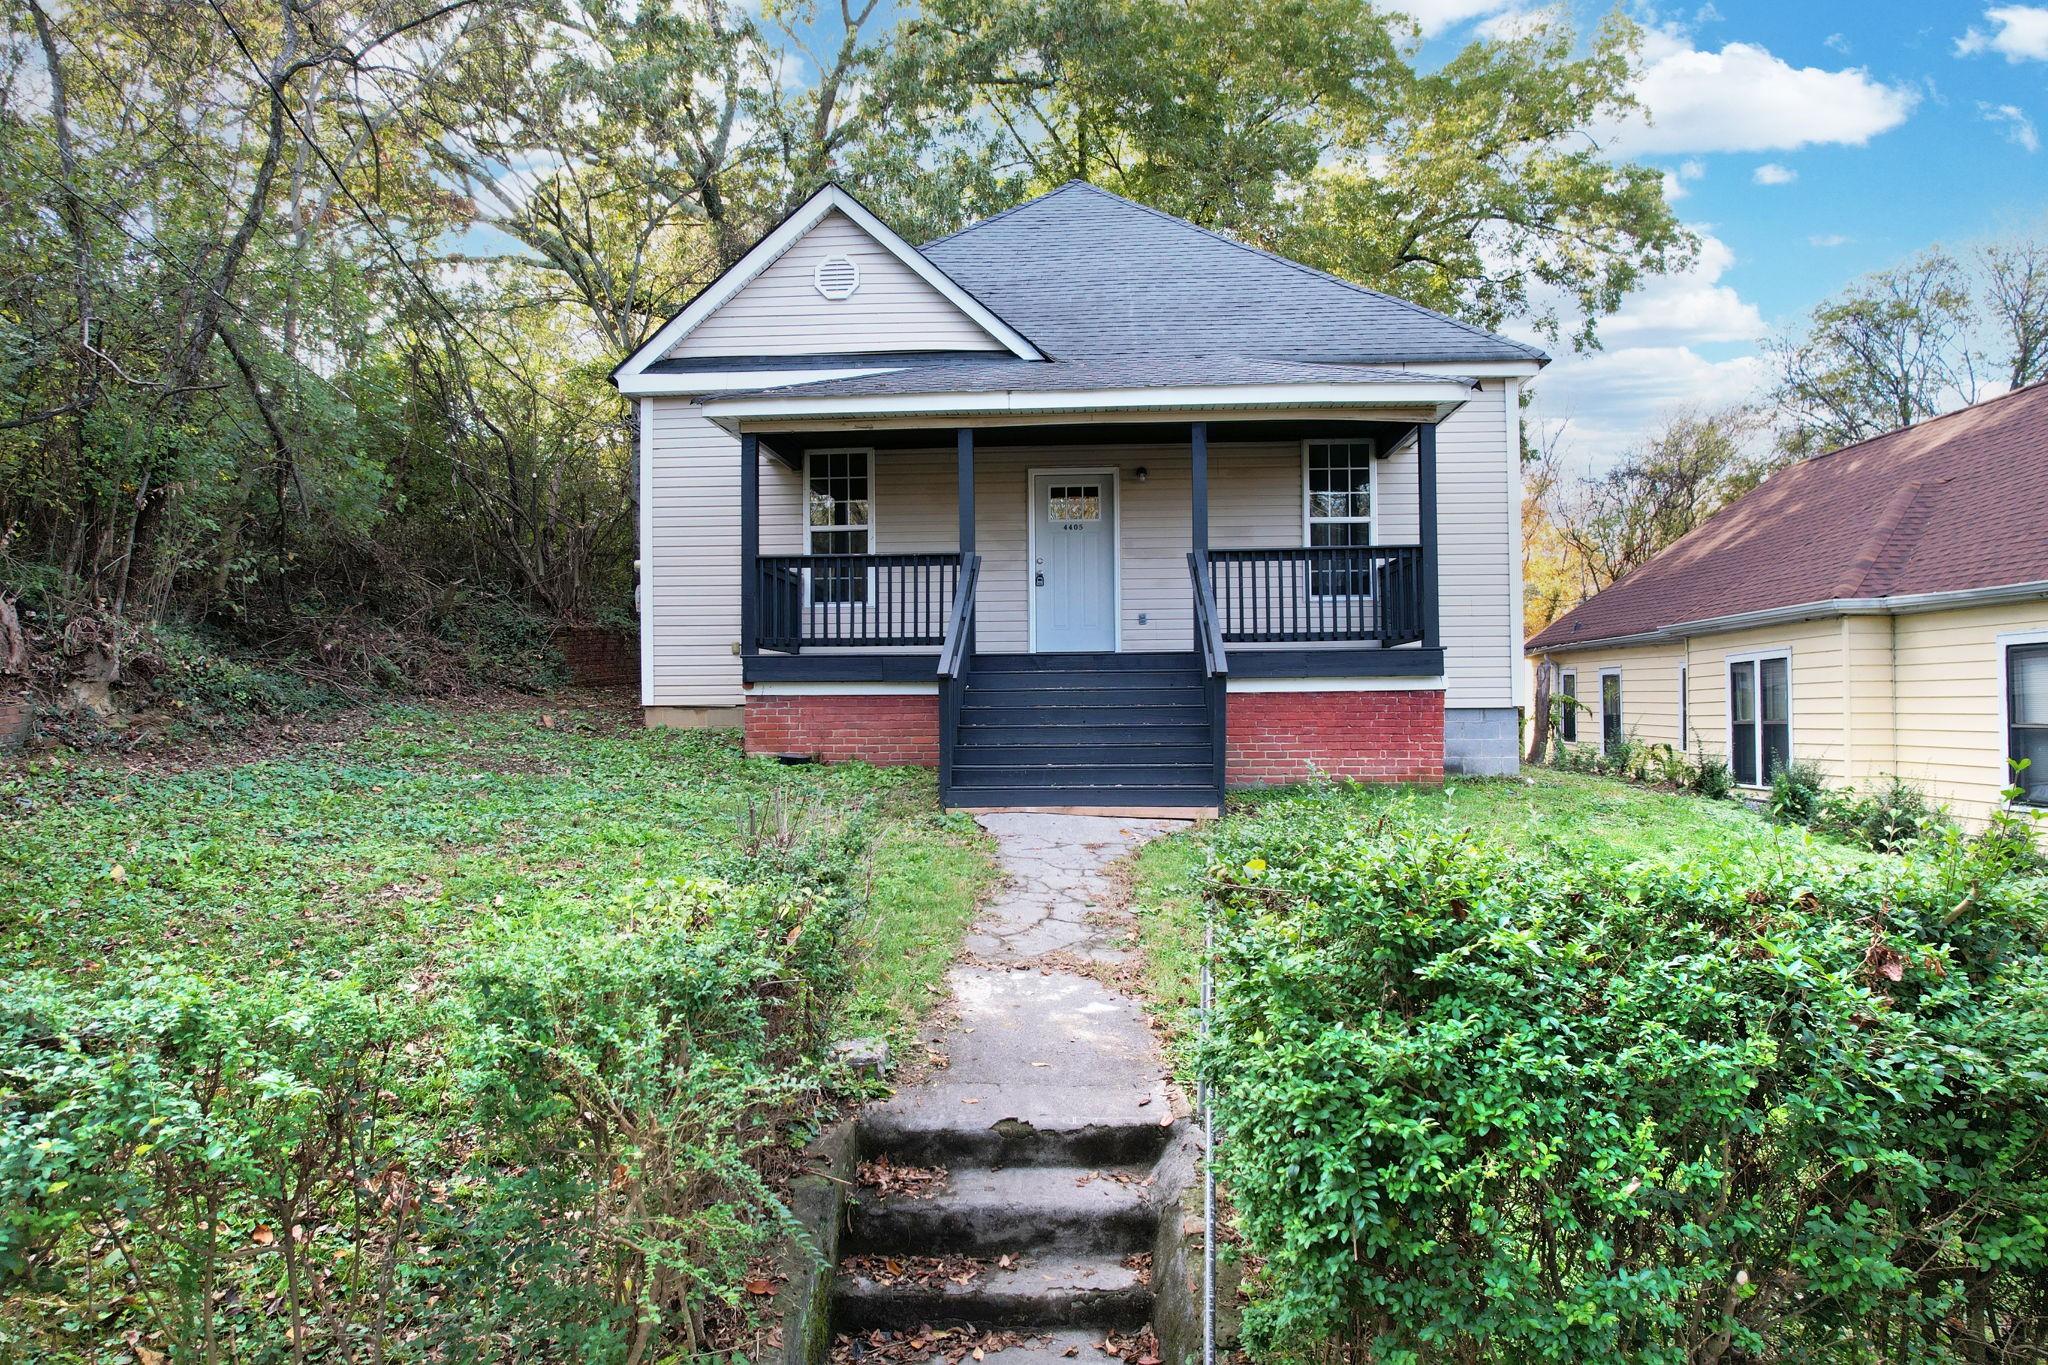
(1425, 490)
(966, 496)
(750, 542)
(1198, 468)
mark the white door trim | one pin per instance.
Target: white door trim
(1116, 542)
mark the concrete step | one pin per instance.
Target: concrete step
(1020, 1125)
(1035, 1291)
(1023, 1208)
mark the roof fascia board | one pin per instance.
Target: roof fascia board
(787, 234)
(711, 381)
(1476, 369)
(1444, 398)
(1901, 605)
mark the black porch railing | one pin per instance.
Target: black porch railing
(1312, 593)
(855, 601)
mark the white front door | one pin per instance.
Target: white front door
(1073, 562)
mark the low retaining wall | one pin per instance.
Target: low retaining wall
(886, 730)
(599, 658)
(17, 717)
(1280, 737)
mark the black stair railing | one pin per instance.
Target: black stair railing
(956, 658)
(1303, 594)
(1209, 642)
(856, 601)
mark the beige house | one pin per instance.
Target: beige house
(1084, 505)
(1881, 611)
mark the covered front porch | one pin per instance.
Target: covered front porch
(1079, 596)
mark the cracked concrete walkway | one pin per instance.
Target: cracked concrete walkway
(1031, 1040)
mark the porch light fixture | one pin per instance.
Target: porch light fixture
(1139, 474)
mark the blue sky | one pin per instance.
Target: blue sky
(1807, 144)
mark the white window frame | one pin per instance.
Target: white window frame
(1371, 520)
(2005, 643)
(1568, 716)
(1757, 657)
(1621, 711)
(804, 514)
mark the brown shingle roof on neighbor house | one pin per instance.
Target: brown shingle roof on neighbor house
(1956, 502)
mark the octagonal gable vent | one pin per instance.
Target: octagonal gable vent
(836, 277)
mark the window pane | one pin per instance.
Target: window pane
(1775, 691)
(1742, 693)
(1610, 711)
(1777, 741)
(1568, 719)
(2027, 677)
(2031, 744)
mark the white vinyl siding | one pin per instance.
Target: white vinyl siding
(781, 312)
(1478, 506)
(690, 573)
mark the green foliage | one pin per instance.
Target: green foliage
(1544, 1103)
(1796, 791)
(497, 1007)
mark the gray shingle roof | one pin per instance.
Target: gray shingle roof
(997, 374)
(1086, 273)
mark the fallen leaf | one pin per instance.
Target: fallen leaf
(760, 1287)
(262, 1236)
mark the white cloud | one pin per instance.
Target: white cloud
(1651, 359)
(1608, 401)
(1828, 239)
(1743, 99)
(1771, 173)
(2019, 129)
(2019, 33)
(1837, 42)
(1437, 15)
(1675, 182)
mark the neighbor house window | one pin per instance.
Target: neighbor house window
(1338, 482)
(1610, 711)
(1759, 717)
(839, 520)
(2026, 719)
(1568, 714)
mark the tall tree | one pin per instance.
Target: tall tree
(1310, 127)
(2013, 286)
(1891, 350)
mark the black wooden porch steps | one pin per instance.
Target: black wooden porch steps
(1084, 730)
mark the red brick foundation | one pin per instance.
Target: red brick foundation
(888, 731)
(1278, 737)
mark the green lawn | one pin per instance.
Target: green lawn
(1541, 806)
(373, 856)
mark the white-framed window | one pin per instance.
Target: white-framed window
(839, 519)
(1684, 710)
(1610, 709)
(1568, 714)
(2023, 696)
(1759, 715)
(1338, 511)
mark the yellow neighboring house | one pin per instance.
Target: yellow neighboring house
(1879, 611)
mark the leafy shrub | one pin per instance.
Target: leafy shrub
(1796, 792)
(1711, 777)
(1488, 1106)
(200, 1131)
(213, 686)
(629, 1068)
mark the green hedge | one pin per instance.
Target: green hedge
(556, 1160)
(1494, 1105)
